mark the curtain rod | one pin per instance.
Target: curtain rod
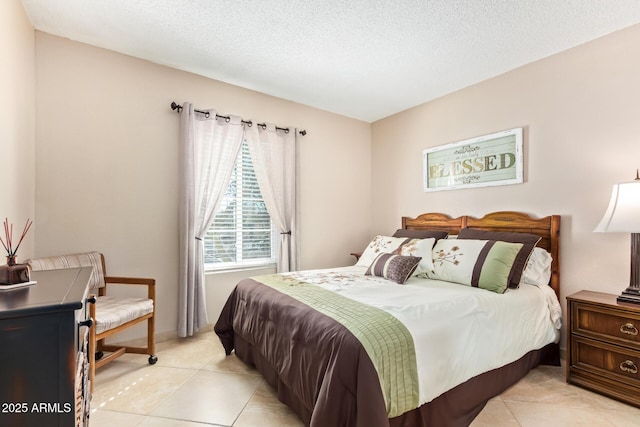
(178, 108)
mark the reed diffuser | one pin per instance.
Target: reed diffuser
(13, 273)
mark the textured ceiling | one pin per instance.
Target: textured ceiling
(365, 59)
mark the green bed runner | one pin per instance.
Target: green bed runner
(385, 339)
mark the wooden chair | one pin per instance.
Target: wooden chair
(110, 314)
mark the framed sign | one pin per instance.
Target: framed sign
(494, 159)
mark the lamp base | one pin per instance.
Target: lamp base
(631, 294)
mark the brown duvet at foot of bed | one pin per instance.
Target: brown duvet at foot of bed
(318, 367)
(456, 408)
(459, 406)
(323, 373)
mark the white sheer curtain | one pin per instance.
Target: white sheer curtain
(274, 156)
(208, 151)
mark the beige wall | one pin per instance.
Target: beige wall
(579, 111)
(107, 148)
(17, 118)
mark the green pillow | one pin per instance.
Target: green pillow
(484, 264)
(529, 241)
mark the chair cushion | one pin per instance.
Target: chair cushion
(112, 312)
(87, 259)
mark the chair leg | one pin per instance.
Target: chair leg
(151, 339)
(92, 355)
(92, 340)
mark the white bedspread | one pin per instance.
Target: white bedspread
(458, 331)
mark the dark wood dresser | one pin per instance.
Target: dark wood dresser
(43, 351)
(603, 345)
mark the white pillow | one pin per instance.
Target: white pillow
(420, 248)
(379, 245)
(538, 269)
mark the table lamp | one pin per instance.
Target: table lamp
(623, 215)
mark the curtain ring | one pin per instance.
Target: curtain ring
(286, 130)
(263, 126)
(206, 115)
(227, 119)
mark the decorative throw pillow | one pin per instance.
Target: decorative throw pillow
(421, 234)
(538, 269)
(393, 267)
(529, 241)
(420, 248)
(484, 264)
(379, 245)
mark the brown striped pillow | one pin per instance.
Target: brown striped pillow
(529, 241)
(483, 264)
(393, 267)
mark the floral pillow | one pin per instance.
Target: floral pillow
(393, 267)
(421, 248)
(529, 241)
(484, 264)
(379, 245)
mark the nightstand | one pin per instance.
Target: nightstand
(603, 345)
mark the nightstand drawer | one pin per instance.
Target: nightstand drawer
(614, 362)
(603, 323)
(603, 346)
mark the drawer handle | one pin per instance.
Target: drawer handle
(629, 329)
(629, 366)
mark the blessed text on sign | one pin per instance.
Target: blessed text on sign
(494, 159)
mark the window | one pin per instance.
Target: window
(242, 232)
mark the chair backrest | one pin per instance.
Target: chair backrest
(86, 259)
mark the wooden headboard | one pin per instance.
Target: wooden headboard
(548, 228)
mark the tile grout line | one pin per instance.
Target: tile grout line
(510, 411)
(176, 389)
(262, 381)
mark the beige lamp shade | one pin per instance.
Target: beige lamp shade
(623, 213)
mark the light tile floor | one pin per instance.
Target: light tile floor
(195, 384)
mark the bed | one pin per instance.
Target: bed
(317, 336)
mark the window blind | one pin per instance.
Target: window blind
(242, 231)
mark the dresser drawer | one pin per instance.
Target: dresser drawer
(606, 360)
(612, 325)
